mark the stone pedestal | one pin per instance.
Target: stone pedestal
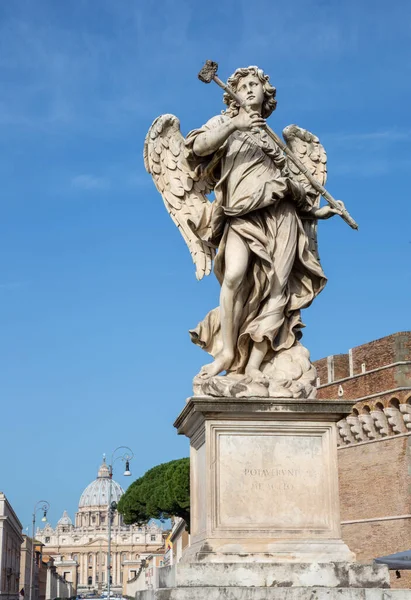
(264, 484)
(265, 520)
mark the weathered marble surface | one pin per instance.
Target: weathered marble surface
(259, 593)
(331, 575)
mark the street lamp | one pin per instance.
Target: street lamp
(44, 507)
(112, 506)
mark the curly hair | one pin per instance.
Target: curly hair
(269, 103)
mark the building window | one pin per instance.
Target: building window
(103, 518)
(75, 557)
(93, 519)
(90, 580)
(47, 540)
(153, 538)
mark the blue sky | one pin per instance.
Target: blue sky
(97, 289)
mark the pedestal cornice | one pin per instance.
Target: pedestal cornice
(198, 408)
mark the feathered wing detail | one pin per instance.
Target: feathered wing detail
(307, 147)
(184, 196)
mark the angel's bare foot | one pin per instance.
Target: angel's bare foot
(257, 376)
(221, 363)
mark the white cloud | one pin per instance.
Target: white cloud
(89, 182)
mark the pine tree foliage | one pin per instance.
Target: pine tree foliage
(162, 492)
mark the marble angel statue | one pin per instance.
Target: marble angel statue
(260, 232)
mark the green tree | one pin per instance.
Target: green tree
(162, 492)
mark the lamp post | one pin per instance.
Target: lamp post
(112, 506)
(44, 507)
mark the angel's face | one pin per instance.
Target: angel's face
(251, 91)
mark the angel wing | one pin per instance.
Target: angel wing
(184, 196)
(307, 147)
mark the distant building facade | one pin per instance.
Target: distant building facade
(80, 550)
(26, 553)
(56, 586)
(374, 445)
(159, 570)
(10, 543)
(179, 538)
(47, 583)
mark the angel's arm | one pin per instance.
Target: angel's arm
(211, 140)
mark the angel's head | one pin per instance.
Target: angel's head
(248, 82)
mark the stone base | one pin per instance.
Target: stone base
(265, 522)
(270, 551)
(258, 593)
(273, 575)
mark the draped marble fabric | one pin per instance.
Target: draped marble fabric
(263, 206)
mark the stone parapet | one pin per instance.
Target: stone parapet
(378, 421)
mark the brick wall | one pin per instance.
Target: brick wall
(369, 383)
(375, 482)
(382, 538)
(341, 366)
(375, 477)
(322, 371)
(384, 351)
(390, 350)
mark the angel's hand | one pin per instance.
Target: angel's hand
(245, 121)
(325, 212)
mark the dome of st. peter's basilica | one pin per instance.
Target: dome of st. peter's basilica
(97, 492)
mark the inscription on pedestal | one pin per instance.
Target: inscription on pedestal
(273, 479)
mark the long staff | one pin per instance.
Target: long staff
(209, 73)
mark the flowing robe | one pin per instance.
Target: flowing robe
(259, 203)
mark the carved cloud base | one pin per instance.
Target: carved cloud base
(289, 374)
